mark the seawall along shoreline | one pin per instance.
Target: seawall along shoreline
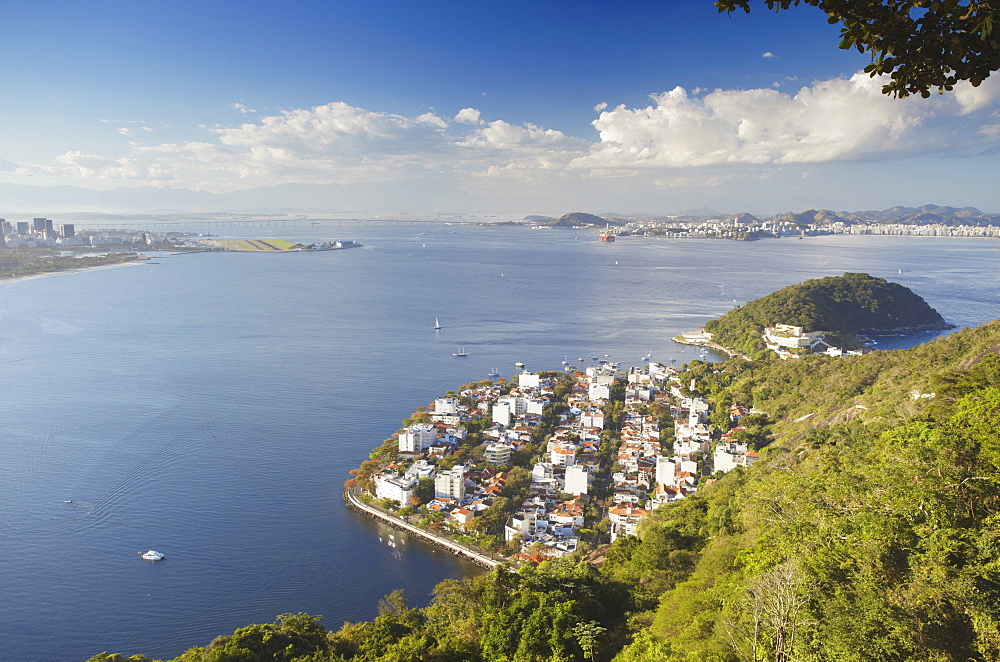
(479, 558)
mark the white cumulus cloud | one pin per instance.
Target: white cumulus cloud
(834, 120)
(468, 116)
(971, 99)
(659, 145)
(432, 120)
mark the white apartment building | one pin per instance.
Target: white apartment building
(599, 391)
(562, 456)
(667, 469)
(416, 438)
(498, 453)
(446, 405)
(450, 484)
(528, 380)
(577, 479)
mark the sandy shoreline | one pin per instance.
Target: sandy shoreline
(46, 274)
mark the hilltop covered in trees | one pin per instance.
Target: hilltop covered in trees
(867, 531)
(579, 219)
(842, 305)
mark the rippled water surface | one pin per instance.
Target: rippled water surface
(210, 406)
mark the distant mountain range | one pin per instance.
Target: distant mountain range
(925, 215)
(411, 198)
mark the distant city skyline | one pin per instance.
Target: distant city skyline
(395, 107)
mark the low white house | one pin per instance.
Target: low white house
(787, 336)
(527, 523)
(729, 456)
(625, 520)
(396, 488)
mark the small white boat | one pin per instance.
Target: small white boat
(519, 365)
(437, 324)
(152, 555)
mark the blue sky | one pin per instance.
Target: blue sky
(471, 106)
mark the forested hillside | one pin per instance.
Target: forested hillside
(844, 305)
(869, 530)
(867, 533)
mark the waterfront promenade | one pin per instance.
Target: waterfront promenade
(471, 552)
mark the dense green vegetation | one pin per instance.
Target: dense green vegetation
(579, 219)
(17, 262)
(864, 533)
(844, 305)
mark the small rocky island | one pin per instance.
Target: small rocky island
(822, 315)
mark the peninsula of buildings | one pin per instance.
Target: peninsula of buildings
(551, 463)
(42, 246)
(925, 221)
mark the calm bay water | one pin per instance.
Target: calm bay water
(210, 406)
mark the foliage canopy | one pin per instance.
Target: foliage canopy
(921, 44)
(843, 305)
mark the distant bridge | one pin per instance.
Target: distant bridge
(177, 224)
